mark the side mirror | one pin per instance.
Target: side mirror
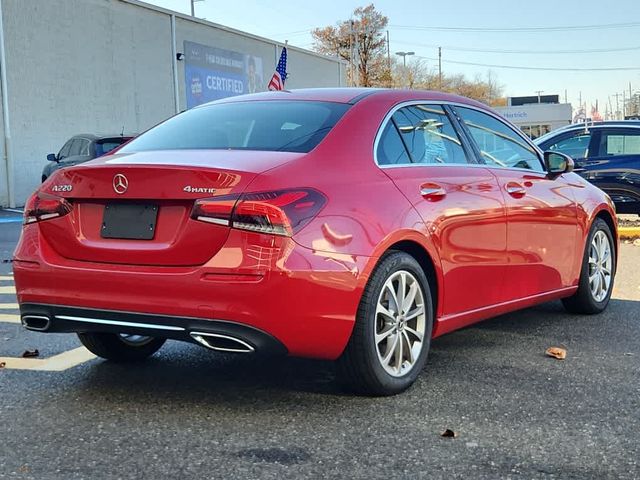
(558, 163)
(52, 157)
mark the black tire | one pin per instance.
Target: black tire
(113, 347)
(359, 367)
(583, 300)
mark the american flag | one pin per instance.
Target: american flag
(277, 81)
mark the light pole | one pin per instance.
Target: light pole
(193, 9)
(404, 57)
(404, 62)
(539, 92)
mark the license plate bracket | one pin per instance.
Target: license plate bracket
(129, 221)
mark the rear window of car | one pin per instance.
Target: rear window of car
(105, 146)
(287, 126)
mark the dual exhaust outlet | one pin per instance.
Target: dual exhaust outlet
(213, 341)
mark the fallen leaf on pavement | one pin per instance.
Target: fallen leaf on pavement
(448, 433)
(556, 352)
(30, 353)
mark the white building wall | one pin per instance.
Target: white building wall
(554, 114)
(76, 66)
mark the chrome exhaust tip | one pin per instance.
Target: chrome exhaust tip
(39, 323)
(221, 343)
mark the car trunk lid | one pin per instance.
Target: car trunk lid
(135, 208)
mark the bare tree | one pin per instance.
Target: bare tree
(361, 41)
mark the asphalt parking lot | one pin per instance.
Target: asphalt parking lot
(189, 413)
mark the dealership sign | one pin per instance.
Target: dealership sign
(213, 73)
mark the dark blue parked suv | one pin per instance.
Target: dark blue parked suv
(607, 154)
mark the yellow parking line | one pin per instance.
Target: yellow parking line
(9, 289)
(6, 277)
(9, 306)
(57, 363)
(8, 318)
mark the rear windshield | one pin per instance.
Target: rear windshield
(106, 145)
(287, 126)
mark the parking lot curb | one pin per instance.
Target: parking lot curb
(629, 232)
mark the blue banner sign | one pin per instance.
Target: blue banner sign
(212, 73)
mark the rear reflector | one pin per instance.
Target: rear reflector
(280, 212)
(43, 206)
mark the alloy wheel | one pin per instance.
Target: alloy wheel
(400, 323)
(600, 266)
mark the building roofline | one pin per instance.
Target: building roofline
(201, 21)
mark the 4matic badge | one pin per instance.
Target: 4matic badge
(190, 189)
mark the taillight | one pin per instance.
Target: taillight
(43, 206)
(281, 212)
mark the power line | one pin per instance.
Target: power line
(291, 34)
(550, 69)
(545, 52)
(519, 29)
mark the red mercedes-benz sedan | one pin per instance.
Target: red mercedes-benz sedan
(347, 224)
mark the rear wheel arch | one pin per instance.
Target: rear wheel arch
(420, 254)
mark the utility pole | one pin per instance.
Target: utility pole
(617, 95)
(351, 59)
(389, 60)
(565, 95)
(610, 108)
(193, 7)
(440, 67)
(357, 58)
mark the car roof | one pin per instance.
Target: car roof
(101, 136)
(350, 95)
(635, 124)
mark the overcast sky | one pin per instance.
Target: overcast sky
(293, 19)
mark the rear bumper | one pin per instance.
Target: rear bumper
(305, 300)
(232, 336)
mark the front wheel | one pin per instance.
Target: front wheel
(390, 340)
(597, 274)
(120, 347)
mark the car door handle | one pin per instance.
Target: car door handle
(515, 189)
(432, 191)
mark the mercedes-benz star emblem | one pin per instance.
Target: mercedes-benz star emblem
(120, 183)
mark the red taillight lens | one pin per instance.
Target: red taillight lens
(281, 212)
(42, 206)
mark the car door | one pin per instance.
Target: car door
(541, 211)
(614, 166)
(459, 201)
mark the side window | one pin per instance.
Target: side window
(84, 147)
(619, 143)
(391, 150)
(429, 135)
(64, 151)
(576, 146)
(76, 146)
(499, 145)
